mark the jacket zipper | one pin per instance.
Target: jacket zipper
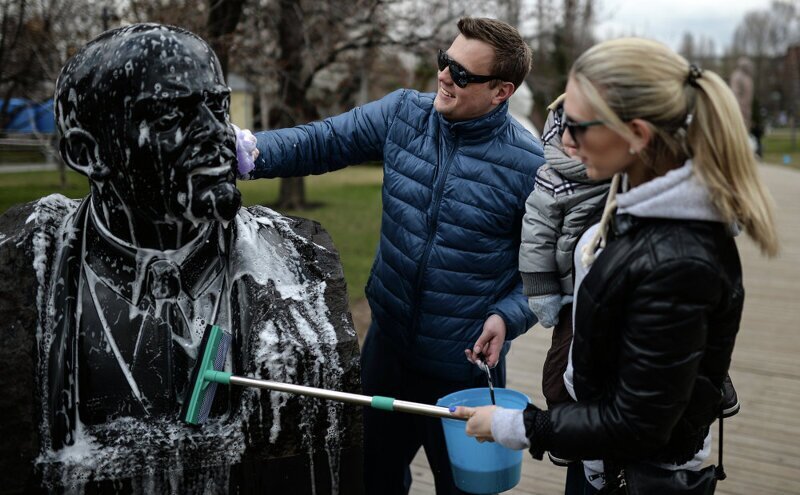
(434, 224)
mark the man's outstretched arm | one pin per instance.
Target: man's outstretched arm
(350, 138)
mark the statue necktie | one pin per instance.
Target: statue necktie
(160, 365)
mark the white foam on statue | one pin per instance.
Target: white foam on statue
(281, 265)
(102, 451)
(49, 211)
(92, 281)
(144, 133)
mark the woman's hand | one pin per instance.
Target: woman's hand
(479, 421)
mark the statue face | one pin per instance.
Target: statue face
(143, 112)
(182, 150)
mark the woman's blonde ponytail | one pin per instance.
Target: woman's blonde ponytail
(692, 113)
(724, 160)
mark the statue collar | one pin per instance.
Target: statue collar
(128, 270)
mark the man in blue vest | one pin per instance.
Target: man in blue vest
(457, 172)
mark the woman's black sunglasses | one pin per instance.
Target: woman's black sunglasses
(460, 75)
(576, 129)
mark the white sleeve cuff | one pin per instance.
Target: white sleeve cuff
(508, 429)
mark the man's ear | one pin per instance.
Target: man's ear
(80, 151)
(505, 90)
(643, 133)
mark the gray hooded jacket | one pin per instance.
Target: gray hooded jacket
(564, 202)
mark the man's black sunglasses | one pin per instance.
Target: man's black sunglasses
(576, 129)
(460, 75)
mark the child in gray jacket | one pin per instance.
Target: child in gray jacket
(564, 202)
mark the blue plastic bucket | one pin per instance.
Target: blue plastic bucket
(487, 467)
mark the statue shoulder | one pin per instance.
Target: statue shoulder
(31, 235)
(29, 242)
(45, 217)
(298, 229)
(266, 242)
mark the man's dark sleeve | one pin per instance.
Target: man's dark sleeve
(515, 312)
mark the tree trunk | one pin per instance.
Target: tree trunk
(264, 104)
(62, 174)
(292, 194)
(223, 16)
(295, 107)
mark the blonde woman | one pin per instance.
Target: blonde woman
(656, 317)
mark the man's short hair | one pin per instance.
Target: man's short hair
(512, 56)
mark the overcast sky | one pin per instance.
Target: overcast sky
(666, 21)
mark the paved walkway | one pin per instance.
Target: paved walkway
(762, 443)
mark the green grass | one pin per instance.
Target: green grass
(349, 208)
(21, 155)
(777, 146)
(26, 186)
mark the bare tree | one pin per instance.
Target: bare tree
(12, 73)
(192, 15)
(223, 17)
(699, 49)
(36, 38)
(30, 51)
(766, 36)
(558, 32)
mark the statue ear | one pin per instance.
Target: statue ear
(81, 152)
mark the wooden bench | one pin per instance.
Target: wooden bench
(43, 143)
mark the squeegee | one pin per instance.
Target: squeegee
(208, 373)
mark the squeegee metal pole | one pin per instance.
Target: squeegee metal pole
(363, 400)
(424, 409)
(322, 393)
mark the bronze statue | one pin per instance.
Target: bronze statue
(114, 292)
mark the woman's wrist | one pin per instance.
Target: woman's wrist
(508, 429)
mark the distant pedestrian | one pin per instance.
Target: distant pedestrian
(741, 83)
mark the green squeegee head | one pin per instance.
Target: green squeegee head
(207, 373)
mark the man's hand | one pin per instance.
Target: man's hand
(479, 421)
(246, 152)
(490, 343)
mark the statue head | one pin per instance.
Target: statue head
(142, 111)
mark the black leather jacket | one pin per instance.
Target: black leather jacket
(655, 325)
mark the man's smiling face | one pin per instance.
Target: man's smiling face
(474, 100)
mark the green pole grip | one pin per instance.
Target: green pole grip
(217, 377)
(385, 403)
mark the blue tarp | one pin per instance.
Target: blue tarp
(28, 116)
